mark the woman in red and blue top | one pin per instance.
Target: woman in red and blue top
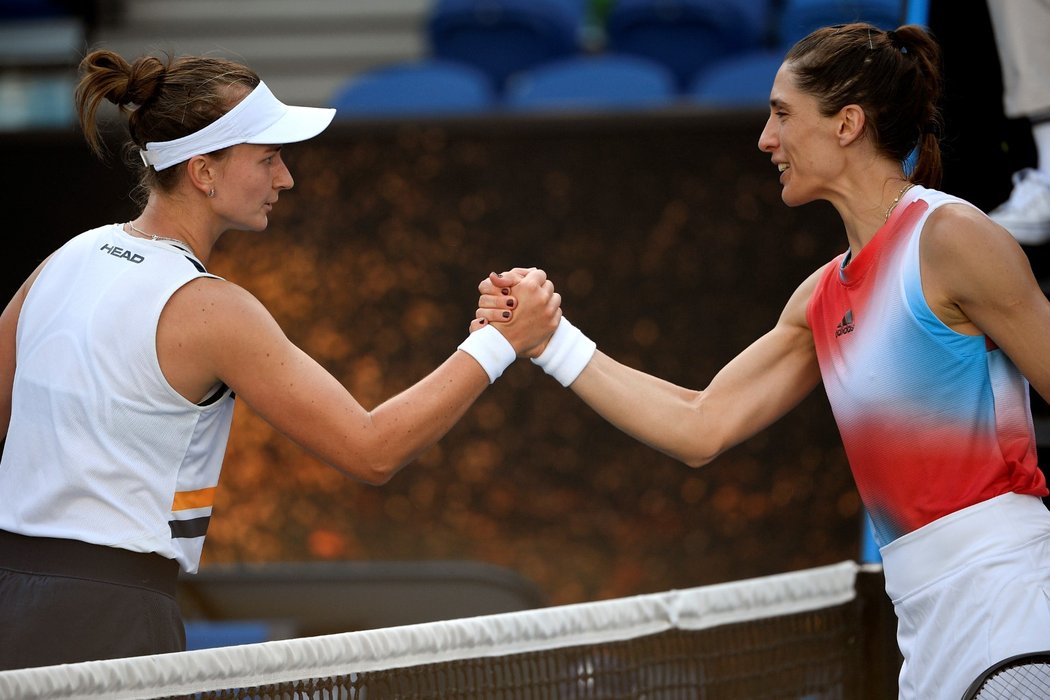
(925, 333)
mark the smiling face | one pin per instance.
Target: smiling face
(804, 144)
(248, 181)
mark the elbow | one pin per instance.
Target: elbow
(377, 473)
(699, 458)
(697, 450)
(702, 440)
(375, 478)
(372, 471)
(695, 462)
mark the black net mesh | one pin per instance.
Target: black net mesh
(815, 655)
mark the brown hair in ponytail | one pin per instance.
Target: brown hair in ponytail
(895, 77)
(161, 99)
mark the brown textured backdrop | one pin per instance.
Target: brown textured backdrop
(668, 239)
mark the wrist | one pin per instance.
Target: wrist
(491, 350)
(567, 353)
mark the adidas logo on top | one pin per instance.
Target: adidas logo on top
(845, 325)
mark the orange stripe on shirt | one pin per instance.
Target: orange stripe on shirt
(201, 498)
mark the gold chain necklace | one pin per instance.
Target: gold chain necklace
(889, 209)
(178, 243)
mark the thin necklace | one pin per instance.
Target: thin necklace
(180, 244)
(889, 209)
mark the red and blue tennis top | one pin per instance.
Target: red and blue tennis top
(932, 420)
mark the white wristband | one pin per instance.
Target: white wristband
(567, 353)
(492, 351)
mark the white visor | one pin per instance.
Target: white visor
(258, 118)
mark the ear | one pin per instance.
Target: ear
(851, 124)
(201, 173)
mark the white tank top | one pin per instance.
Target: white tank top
(100, 447)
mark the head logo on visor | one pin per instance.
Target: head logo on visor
(258, 118)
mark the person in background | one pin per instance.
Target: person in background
(925, 333)
(1022, 28)
(121, 355)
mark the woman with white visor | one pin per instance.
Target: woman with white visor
(121, 355)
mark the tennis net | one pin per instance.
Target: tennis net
(813, 634)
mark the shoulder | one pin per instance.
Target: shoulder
(795, 312)
(210, 297)
(809, 285)
(960, 234)
(211, 309)
(968, 257)
(805, 291)
(958, 220)
(219, 320)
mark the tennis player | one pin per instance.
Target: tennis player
(121, 355)
(923, 333)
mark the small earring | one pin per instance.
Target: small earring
(211, 193)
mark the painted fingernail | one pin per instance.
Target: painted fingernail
(481, 322)
(510, 303)
(506, 314)
(504, 291)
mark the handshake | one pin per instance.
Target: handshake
(519, 315)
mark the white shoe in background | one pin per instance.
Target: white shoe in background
(1026, 214)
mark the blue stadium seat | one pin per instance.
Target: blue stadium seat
(415, 88)
(687, 35)
(501, 37)
(800, 17)
(604, 81)
(743, 80)
(204, 634)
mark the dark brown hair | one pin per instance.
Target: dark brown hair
(894, 76)
(162, 100)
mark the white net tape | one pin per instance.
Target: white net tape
(411, 645)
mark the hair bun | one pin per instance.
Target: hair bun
(145, 77)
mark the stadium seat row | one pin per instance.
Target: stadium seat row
(532, 54)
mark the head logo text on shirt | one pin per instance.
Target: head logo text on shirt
(121, 253)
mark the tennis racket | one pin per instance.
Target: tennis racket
(1022, 677)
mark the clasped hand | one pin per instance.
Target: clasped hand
(523, 304)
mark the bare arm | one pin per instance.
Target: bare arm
(756, 388)
(977, 280)
(215, 331)
(8, 329)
